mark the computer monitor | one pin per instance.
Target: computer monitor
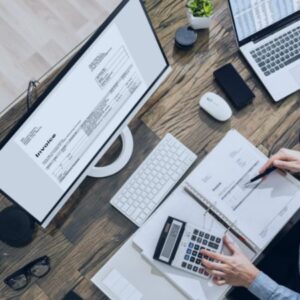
(50, 152)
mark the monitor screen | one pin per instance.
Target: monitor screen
(45, 156)
(251, 16)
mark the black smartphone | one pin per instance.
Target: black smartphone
(234, 86)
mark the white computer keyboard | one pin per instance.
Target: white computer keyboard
(153, 180)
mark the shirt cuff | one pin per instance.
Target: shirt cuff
(263, 286)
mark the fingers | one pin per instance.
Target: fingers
(282, 155)
(270, 162)
(230, 244)
(286, 165)
(216, 273)
(220, 257)
(213, 266)
(219, 281)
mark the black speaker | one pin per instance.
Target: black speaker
(16, 227)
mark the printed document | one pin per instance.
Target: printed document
(259, 210)
(113, 82)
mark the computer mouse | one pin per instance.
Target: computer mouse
(216, 106)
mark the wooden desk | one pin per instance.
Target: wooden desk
(88, 230)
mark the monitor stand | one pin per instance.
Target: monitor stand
(120, 162)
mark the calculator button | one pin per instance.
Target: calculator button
(210, 259)
(187, 257)
(213, 245)
(207, 236)
(194, 253)
(199, 240)
(192, 259)
(218, 240)
(198, 261)
(189, 266)
(184, 264)
(197, 247)
(196, 231)
(212, 238)
(191, 245)
(206, 273)
(194, 238)
(195, 269)
(201, 233)
(200, 271)
(205, 257)
(189, 251)
(204, 242)
(200, 255)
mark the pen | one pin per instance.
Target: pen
(267, 172)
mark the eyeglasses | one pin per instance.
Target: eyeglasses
(37, 268)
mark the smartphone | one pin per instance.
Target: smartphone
(234, 86)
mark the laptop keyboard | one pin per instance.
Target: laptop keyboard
(279, 53)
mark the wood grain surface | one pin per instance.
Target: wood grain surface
(88, 230)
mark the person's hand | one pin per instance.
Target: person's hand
(285, 159)
(235, 270)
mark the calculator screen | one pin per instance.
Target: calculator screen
(171, 239)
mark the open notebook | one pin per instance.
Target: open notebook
(256, 211)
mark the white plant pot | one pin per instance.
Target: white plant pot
(198, 22)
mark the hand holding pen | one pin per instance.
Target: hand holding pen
(285, 159)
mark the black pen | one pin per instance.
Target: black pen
(267, 172)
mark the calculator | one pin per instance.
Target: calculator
(180, 244)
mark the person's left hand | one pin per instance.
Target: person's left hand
(235, 270)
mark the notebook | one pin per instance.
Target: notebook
(255, 211)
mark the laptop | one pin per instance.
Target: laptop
(268, 35)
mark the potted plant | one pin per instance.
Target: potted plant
(199, 13)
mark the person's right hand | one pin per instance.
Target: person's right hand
(285, 159)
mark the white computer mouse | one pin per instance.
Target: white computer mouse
(216, 106)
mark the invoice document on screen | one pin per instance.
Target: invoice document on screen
(94, 96)
(259, 210)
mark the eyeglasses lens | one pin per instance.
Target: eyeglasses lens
(40, 269)
(18, 282)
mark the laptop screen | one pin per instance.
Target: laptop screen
(251, 16)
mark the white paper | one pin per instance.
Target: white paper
(121, 287)
(181, 206)
(259, 210)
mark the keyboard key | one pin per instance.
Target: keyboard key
(195, 269)
(184, 264)
(189, 266)
(151, 182)
(192, 259)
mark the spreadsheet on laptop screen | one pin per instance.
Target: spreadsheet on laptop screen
(251, 16)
